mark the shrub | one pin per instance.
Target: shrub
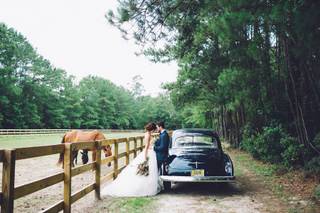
(248, 144)
(268, 144)
(291, 154)
(313, 166)
(248, 141)
(317, 192)
(316, 141)
(273, 145)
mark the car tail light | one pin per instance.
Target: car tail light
(228, 168)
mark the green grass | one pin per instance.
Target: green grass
(135, 204)
(237, 170)
(126, 205)
(317, 192)
(265, 170)
(294, 210)
(9, 142)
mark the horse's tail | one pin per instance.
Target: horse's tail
(61, 154)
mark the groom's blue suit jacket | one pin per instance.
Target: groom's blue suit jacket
(161, 146)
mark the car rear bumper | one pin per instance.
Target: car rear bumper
(205, 179)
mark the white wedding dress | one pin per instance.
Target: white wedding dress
(129, 184)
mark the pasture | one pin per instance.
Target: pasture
(40, 167)
(15, 141)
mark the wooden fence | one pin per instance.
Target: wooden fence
(9, 157)
(53, 131)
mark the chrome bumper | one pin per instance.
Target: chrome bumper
(204, 179)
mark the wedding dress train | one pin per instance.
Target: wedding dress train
(129, 184)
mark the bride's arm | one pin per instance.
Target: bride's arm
(147, 138)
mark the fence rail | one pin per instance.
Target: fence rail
(54, 131)
(10, 192)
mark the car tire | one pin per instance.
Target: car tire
(167, 185)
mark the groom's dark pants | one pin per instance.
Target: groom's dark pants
(160, 163)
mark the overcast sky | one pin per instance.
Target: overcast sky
(75, 36)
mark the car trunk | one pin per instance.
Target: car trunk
(186, 160)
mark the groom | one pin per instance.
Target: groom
(161, 145)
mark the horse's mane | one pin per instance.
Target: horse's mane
(99, 135)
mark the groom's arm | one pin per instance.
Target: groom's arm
(164, 143)
(156, 144)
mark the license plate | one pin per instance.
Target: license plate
(197, 172)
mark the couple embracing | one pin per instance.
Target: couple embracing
(129, 183)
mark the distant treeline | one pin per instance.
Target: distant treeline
(248, 68)
(35, 94)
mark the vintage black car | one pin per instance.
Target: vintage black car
(196, 155)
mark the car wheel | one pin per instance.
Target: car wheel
(167, 185)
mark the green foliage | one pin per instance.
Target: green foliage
(313, 166)
(316, 141)
(157, 109)
(272, 145)
(240, 63)
(248, 142)
(317, 192)
(267, 144)
(292, 151)
(34, 94)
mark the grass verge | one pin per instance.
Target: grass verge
(289, 186)
(265, 170)
(125, 205)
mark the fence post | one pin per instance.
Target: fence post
(115, 165)
(8, 173)
(135, 147)
(67, 178)
(98, 169)
(127, 151)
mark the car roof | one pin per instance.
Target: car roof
(187, 131)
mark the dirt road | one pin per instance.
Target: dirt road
(248, 195)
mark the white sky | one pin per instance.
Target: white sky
(75, 36)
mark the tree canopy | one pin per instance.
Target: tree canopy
(245, 66)
(35, 94)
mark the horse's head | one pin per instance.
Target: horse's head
(107, 152)
(84, 157)
(106, 149)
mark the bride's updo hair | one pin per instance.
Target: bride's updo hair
(150, 126)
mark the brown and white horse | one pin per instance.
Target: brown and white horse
(75, 136)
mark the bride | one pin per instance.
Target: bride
(129, 183)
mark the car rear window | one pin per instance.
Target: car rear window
(197, 140)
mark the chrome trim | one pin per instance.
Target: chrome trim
(195, 147)
(196, 163)
(206, 179)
